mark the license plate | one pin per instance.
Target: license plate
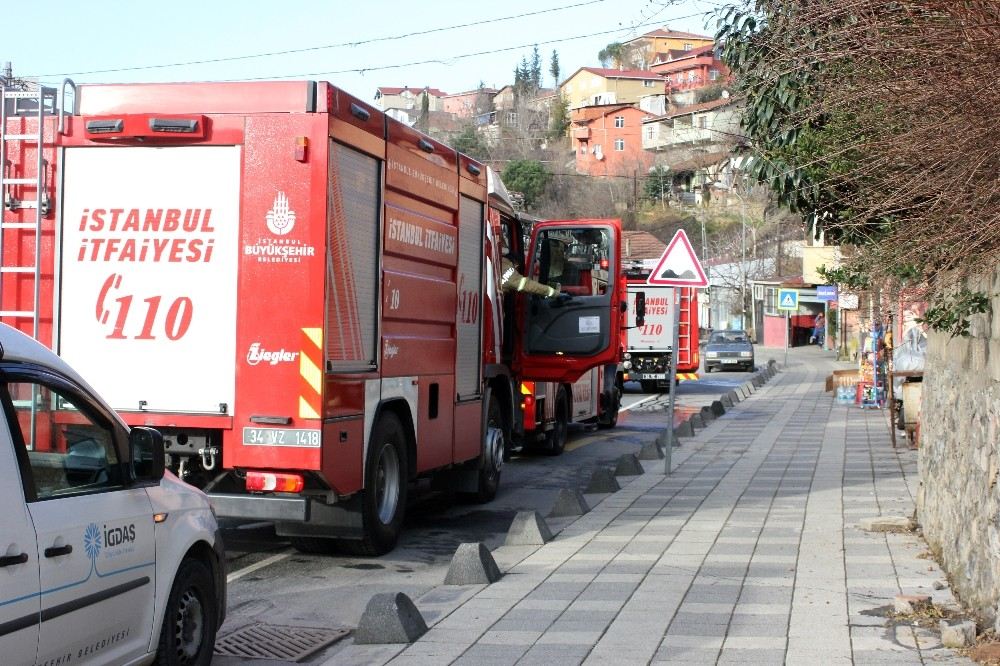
(653, 375)
(730, 360)
(308, 439)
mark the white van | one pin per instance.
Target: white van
(104, 558)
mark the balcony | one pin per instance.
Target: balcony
(581, 133)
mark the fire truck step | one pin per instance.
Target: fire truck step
(16, 313)
(19, 181)
(20, 137)
(17, 269)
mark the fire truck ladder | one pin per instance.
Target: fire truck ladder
(684, 326)
(14, 102)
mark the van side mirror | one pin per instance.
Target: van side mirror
(640, 308)
(147, 453)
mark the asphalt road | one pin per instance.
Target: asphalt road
(272, 583)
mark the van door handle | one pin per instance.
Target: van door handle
(56, 551)
(11, 560)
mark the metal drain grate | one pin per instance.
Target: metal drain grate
(263, 641)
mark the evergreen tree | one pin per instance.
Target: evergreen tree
(559, 125)
(554, 67)
(535, 69)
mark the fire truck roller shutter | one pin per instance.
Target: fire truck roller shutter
(468, 355)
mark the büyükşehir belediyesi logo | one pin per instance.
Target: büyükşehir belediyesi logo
(281, 217)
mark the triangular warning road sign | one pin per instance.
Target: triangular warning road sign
(788, 301)
(678, 267)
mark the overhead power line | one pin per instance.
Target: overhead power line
(450, 59)
(308, 49)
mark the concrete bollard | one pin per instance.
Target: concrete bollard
(718, 408)
(528, 529)
(707, 415)
(651, 451)
(390, 618)
(472, 564)
(684, 430)
(734, 397)
(602, 481)
(569, 502)
(696, 421)
(628, 465)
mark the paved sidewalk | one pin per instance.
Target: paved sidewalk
(747, 553)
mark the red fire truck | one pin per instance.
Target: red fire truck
(298, 291)
(648, 347)
(547, 408)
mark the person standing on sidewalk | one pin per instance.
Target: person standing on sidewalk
(819, 329)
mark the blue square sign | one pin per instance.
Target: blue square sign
(788, 299)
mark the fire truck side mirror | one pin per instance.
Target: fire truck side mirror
(640, 308)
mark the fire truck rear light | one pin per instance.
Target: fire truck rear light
(105, 126)
(604, 264)
(360, 113)
(301, 148)
(425, 146)
(275, 482)
(176, 125)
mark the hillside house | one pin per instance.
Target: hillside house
(607, 140)
(594, 86)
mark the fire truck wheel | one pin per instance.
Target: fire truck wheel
(384, 502)
(610, 419)
(555, 439)
(493, 453)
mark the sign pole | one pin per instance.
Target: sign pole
(786, 338)
(673, 381)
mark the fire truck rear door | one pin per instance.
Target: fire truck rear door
(566, 336)
(149, 273)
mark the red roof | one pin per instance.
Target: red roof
(695, 108)
(622, 73)
(387, 90)
(587, 113)
(642, 245)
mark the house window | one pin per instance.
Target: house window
(771, 302)
(703, 122)
(692, 75)
(619, 121)
(713, 75)
(650, 132)
(598, 152)
(619, 144)
(648, 83)
(688, 47)
(583, 149)
(512, 117)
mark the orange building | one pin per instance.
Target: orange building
(607, 140)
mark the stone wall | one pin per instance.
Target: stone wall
(959, 499)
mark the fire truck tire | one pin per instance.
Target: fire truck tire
(610, 420)
(555, 439)
(493, 453)
(189, 621)
(383, 504)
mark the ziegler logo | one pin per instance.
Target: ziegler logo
(258, 354)
(391, 350)
(281, 218)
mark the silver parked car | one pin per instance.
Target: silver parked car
(728, 349)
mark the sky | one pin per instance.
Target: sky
(358, 46)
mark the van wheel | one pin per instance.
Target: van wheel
(494, 449)
(190, 622)
(383, 504)
(555, 439)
